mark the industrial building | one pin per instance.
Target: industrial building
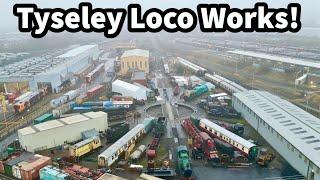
(134, 60)
(61, 131)
(279, 59)
(292, 132)
(127, 89)
(49, 70)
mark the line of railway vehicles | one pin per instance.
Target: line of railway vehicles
(94, 73)
(195, 88)
(233, 150)
(122, 148)
(69, 100)
(219, 105)
(28, 99)
(228, 85)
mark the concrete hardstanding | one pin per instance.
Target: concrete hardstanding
(58, 132)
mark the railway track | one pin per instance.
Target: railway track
(26, 118)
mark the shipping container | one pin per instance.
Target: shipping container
(14, 160)
(97, 90)
(81, 99)
(30, 171)
(57, 112)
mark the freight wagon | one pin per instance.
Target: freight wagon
(95, 73)
(43, 118)
(67, 97)
(138, 153)
(149, 123)
(82, 98)
(84, 147)
(95, 91)
(246, 147)
(57, 112)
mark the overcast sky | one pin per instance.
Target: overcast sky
(310, 8)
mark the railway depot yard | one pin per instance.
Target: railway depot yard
(141, 114)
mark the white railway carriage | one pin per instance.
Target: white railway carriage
(111, 155)
(215, 80)
(225, 83)
(195, 68)
(246, 147)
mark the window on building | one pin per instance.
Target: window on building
(136, 64)
(128, 65)
(122, 64)
(132, 63)
(313, 141)
(146, 64)
(141, 64)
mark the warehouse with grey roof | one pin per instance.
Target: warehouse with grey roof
(293, 132)
(49, 70)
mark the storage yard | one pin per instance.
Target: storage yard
(96, 113)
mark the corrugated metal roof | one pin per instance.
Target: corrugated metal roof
(136, 52)
(60, 122)
(76, 51)
(297, 126)
(289, 60)
(126, 85)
